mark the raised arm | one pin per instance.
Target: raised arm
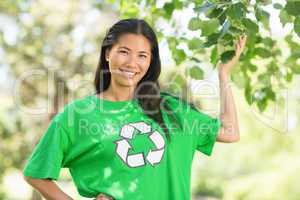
(229, 131)
(48, 189)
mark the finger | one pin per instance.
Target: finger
(243, 44)
(242, 40)
(240, 44)
(103, 197)
(245, 39)
(238, 47)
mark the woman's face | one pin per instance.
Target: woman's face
(129, 59)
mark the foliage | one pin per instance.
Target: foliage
(45, 42)
(220, 22)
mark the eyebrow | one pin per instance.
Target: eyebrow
(130, 50)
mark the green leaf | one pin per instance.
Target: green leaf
(179, 56)
(239, 80)
(205, 7)
(214, 13)
(208, 27)
(250, 25)
(214, 56)
(285, 17)
(194, 24)
(198, 2)
(272, 67)
(227, 40)
(236, 11)
(268, 42)
(297, 25)
(225, 28)
(168, 8)
(264, 2)
(178, 4)
(296, 68)
(248, 94)
(263, 17)
(264, 79)
(196, 73)
(293, 8)
(261, 104)
(195, 43)
(292, 44)
(196, 59)
(177, 82)
(235, 30)
(252, 67)
(262, 52)
(227, 55)
(222, 18)
(211, 40)
(172, 42)
(277, 6)
(270, 93)
(289, 77)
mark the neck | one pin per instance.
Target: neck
(118, 93)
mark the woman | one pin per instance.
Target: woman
(130, 140)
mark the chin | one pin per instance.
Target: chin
(129, 83)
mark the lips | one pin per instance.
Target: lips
(127, 70)
(127, 73)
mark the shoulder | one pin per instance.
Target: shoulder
(75, 107)
(175, 100)
(83, 103)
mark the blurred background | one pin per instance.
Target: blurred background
(49, 52)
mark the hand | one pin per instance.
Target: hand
(225, 68)
(103, 197)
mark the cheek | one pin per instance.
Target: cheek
(117, 60)
(145, 65)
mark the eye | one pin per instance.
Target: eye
(143, 56)
(123, 52)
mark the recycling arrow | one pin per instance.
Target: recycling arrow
(142, 127)
(155, 156)
(137, 160)
(157, 139)
(127, 131)
(122, 149)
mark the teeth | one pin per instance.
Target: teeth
(127, 72)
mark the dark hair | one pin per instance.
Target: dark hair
(148, 89)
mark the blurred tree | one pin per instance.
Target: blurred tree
(57, 41)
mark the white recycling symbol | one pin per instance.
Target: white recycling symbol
(136, 160)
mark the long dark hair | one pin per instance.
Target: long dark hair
(148, 88)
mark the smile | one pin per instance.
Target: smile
(128, 74)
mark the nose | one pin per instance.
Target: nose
(132, 62)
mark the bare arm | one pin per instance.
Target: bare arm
(229, 131)
(47, 188)
(51, 191)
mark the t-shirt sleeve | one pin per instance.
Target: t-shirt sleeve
(47, 157)
(204, 129)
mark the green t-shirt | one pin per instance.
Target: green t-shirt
(114, 148)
